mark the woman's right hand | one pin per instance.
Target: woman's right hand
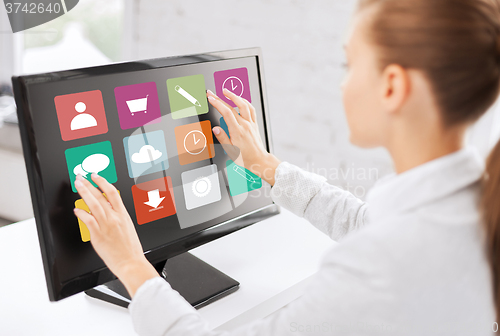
(245, 146)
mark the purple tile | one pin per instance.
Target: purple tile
(137, 105)
(235, 80)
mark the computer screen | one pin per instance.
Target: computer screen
(146, 127)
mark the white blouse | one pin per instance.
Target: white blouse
(413, 264)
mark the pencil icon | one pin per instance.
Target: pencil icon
(243, 173)
(186, 95)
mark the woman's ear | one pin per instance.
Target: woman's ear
(395, 88)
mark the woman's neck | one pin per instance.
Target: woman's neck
(411, 150)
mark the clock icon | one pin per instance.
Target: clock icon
(234, 84)
(195, 142)
(234, 80)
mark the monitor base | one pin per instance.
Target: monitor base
(195, 280)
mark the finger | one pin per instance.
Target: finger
(96, 192)
(240, 103)
(94, 205)
(226, 113)
(221, 135)
(111, 193)
(88, 220)
(235, 113)
(253, 114)
(226, 143)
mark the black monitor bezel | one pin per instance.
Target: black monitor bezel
(58, 290)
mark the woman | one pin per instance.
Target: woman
(423, 259)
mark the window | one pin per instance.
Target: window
(91, 34)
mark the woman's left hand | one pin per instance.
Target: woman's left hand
(112, 233)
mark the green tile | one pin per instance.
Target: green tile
(241, 180)
(187, 96)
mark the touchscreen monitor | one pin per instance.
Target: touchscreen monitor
(146, 127)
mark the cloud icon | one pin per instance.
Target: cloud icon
(147, 153)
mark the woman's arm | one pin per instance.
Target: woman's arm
(332, 210)
(112, 231)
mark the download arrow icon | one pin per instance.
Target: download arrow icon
(154, 198)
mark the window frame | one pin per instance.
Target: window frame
(13, 63)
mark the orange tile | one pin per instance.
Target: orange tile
(194, 142)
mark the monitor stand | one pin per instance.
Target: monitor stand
(198, 282)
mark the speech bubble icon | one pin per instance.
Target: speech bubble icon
(79, 170)
(25, 14)
(95, 163)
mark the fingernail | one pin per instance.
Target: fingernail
(79, 177)
(78, 184)
(211, 98)
(94, 175)
(210, 93)
(226, 90)
(216, 130)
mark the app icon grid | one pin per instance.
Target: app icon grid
(146, 153)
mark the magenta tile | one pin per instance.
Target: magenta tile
(137, 105)
(235, 80)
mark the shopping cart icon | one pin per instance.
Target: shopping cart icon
(138, 105)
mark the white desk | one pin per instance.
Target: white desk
(273, 260)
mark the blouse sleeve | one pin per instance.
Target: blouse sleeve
(332, 210)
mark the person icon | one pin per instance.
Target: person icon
(82, 120)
